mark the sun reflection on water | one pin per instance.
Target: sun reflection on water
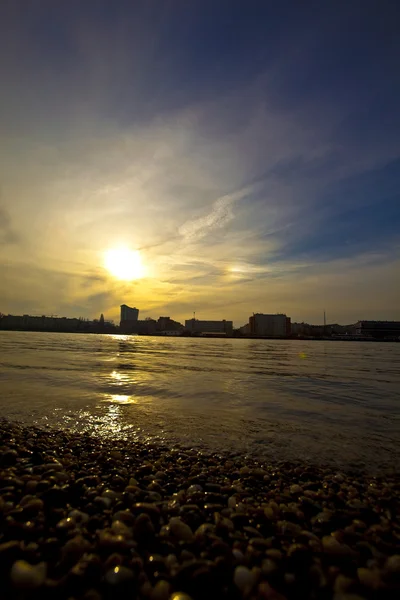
(120, 398)
(119, 378)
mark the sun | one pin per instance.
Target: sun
(124, 264)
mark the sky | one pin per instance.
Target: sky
(248, 150)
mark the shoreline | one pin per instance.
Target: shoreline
(84, 517)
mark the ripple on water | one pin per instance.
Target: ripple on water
(323, 402)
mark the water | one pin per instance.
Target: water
(322, 402)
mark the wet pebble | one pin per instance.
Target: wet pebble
(139, 520)
(27, 577)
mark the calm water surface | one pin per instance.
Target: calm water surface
(324, 402)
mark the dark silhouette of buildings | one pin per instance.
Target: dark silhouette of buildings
(128, 313)
(378, 329)
(278, 325)
(61, 324)
(194, 326)
(166, 325)
(146, 327)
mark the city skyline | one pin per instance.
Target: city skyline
(218, 157)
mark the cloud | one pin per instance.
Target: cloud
(219, 216)
(7, 234)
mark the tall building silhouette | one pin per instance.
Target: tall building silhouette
(128, 313)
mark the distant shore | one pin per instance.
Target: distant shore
(88, 518)
(338, 338)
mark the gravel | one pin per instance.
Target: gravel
(87, 518)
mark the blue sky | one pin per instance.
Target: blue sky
(249, 150)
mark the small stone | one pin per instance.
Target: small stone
(232, 501)
(161, 590)
(269, 513)
(194, 489)
(334, 548)
(116, 454)
(223, 523)
(143, 529)
(119, 575)
(74, 548)
(204, 529)
(269, 567)
(171, 561)
(274, 553)
(33, 507)
(28, 577)
(393, 564)
(9, 552)
(369, 578)
(103, 503)
(113, 496)
(290, 578)
(111, 541)
(8, 458)
(147, 508)
(342, 583)
(238, 555)
(180, 596)
(243, 578)
(78, 516)
(66, 524)
(121, 529)
(258, 472)
(180, 530)
(125, 516)
(296, 489)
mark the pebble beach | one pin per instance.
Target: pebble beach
(88, 518)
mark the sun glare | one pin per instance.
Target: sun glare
(124, 264)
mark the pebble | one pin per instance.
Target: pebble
(161, 590)
(187, 524)
(393, 564)
(333, 547)
(180, 530)
(243, 578)
(119, 575)
(27, 577)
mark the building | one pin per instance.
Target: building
(128, 313)
(270, 325)
(168, 324)
(378, 329)
(146, 327)
(53, 323)
(245, 329)
(195, 326)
